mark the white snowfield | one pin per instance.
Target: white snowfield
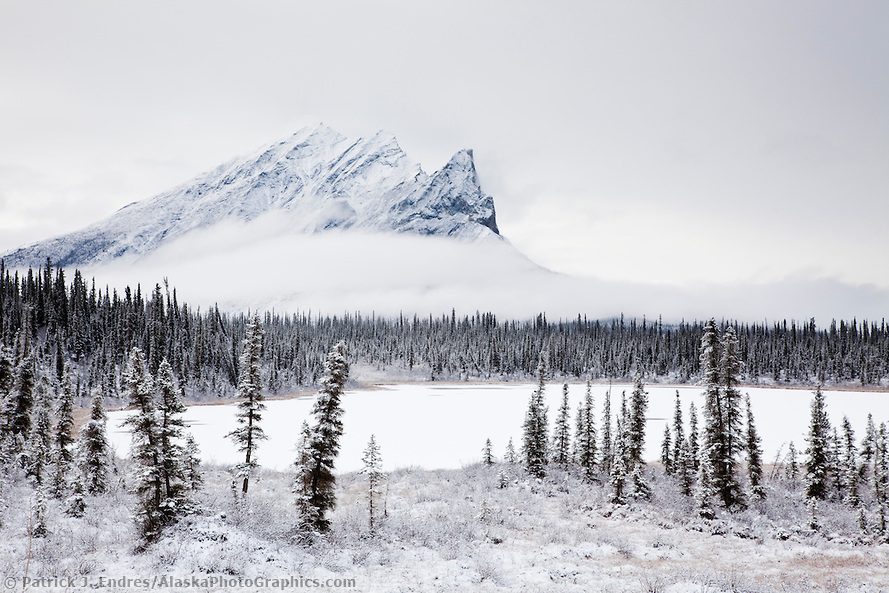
(444, 426)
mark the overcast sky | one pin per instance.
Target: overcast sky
(680, 142)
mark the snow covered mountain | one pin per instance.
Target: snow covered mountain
(314, 181)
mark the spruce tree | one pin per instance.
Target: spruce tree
(171, 433)
(585, 440)
(373, 469)
(678, 436)
(792, 464)
(38, 455)
(606, 455)
(868, 447)
(23, 398)
(849, 470)
(145, 451)
(753, 447)
(192, 464)
(634, 436)
(667, 452)
(620, 471)
(535, 443)
(7, 382)
(510, 455)
(487, 453)
(704, 490)
(63, 454)
(562, 432)
(248, 435)
(723, 441)
(325, 442)
(307, 514)
(93, 448)
(694, 455)
(881, 476)
(818, 450)
(634, 429)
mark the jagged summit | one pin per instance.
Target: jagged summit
(317, 178)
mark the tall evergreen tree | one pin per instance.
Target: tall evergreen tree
(93, 448)
(722, 412)
(753, 447)
(792, 464)
(171, 433)
(248, 435)
(145, 452)
(373, 469)
(881, 476)
(562, 432)
(667, 451)
(694, 455)
(535, 442)
(678, 435)
(63, 454)
(585, 440)
(23, 395)
(606, 455)
(818, 450)
(849, 473)
(620, 471)
(868, 448)
(38, 455)
(307, 514)
(192, 464)
(634, 435)
(325, 443)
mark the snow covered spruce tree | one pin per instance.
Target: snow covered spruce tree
(38, 454)
(373, 469)
(849, 469)
(535, 430)
(634, 435)
(22, 392)
(145, 452)
(510, 454)
(487, 453)
(171, 434)
(723, 441)
(307, 515)
(619, 470)
(562, 432)
(192, 464)
(606, 455)
(248, 435)
(93, 448)
(585, 439)
(818, 450)
(881, 478)
(324, 444)
(63, 454)
(694, 450)
(667, 451)
(753, 447)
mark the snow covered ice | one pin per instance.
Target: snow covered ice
(444, 426)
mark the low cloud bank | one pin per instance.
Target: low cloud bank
(259, 265)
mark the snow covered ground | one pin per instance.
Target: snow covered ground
(444, 426)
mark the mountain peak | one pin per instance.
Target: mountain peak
(317, 178)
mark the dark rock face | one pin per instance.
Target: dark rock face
(317, 179)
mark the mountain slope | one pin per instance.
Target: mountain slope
(317, 180)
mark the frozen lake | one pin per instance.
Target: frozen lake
(445, 425)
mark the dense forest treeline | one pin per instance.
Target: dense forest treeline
(71, 320)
